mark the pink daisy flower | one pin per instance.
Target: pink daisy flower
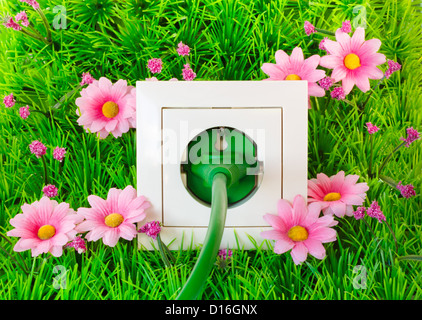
(86, 79)
(50, 191)
(188, 73)
(37, 148)
(354, 61)
(296, 68)
(113, 218)
(338, 194)
(44, 226)
(298, 228)
(346, 26)
(21, 16)
(392, 67)
(151, 229)
(59, 153)
(371, 128)
(107, 108)
(183, 49)
(24, 112)
(151, 79)
(309, 28)
(407, 191)
(174, 79)
(9, 101)
(412, 135)
(338, 93)
(78, 244)
(155, 65)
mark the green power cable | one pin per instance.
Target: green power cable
(203, 266)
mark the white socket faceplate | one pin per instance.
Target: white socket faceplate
(170, 114)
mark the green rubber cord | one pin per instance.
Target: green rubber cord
(207, 257)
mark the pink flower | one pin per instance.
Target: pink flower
(225, 254)
(326, 83)
(407, 190)
(296, 68)
(371, 128)
(309, 28)
(113, 218)
(44, 226)
(374, 211)
(188, 73)
(300, 229)
(86, 78)
(151, 229)
(10, 23)
(24, 112)
(360, 213)
(173, 79)
(155, 65)
(321, 44)
(59, 153)
(392, 67)
(32, 3)
(107, 108)
(338, 194)
(151, 79)
(346, 26)
(183, 49)
(338, 93)
(50, 191)
(21, 16)
(78, 244)
(9, 101)
(353, 60)
(37, 148)
(412, 135)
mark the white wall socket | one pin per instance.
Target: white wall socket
(171, 113)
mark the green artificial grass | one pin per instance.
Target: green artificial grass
(229, 40)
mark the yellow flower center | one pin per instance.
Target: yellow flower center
(114, 220)
(352, 61)
(293, 77)
(46, 232)
(110, 109)
(332, 196)
(298, 233)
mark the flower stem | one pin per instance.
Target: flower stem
(45, 170)
(46, 24)
(372, 91)
(163, 254)
(20, 256)
(369, 227)
(389, 156)
(388, 180)
(394, 236)
(172, 258)
(330, 33)
(32, 35)
(371, 139)
(66, 96)
(14, 260)
(410, 257)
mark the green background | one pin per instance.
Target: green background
(229, 40)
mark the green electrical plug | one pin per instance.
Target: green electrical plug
(221, 171)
